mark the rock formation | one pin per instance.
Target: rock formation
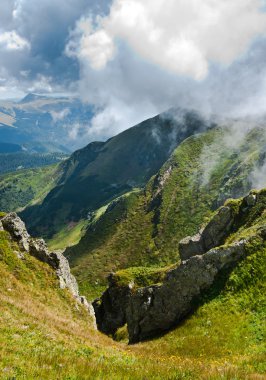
(38, 248)
(154, 309)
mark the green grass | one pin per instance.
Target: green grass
(68, 236)
(26, 187)
(44, 335)
(140, 276)
(145, 228)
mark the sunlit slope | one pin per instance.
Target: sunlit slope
(44, 335)
(144, 229)
(27, 187)
(100, 172)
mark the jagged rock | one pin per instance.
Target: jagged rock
(216, 231)
(14, 225)
(152, 310)
(66, 279)
(83, 300)
(155, 309)
(211, 236)
(38, 248)
(190, 246)
(110, 309)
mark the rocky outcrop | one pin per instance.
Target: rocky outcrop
(155, 309)
(216, 231)
(152, 310)
(14, 225)
(38, 248)
(110, 309)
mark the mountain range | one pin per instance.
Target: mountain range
(41, 124)
(163, 227)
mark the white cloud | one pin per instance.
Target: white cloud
(181, 37)
(41, 84)
(12, 41)
(60, 115)
(118, 116)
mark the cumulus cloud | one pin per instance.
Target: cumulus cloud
(132, 59)
(12, 41)
(179, 36)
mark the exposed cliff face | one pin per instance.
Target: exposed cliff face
(38, 248)
(154, 309)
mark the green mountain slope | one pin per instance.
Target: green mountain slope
(144, 229)
(100, 172)
(26, 187)
(45, 335)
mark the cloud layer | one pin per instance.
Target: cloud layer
(180, 36)
(132, 59)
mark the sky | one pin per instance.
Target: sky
(132, 59)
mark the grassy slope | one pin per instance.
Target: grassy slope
(26, 187)
(144, 229)
(44, 335)
(101, 172)
(11, 162)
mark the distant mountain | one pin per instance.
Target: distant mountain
(32, 98)
(101, 171)
(50, 124)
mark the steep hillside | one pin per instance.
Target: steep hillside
(100, 172)
(27, 187)
(152, 304)
(46, 334)
(144, 229)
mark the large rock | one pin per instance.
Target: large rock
(152, 310)
(217, 230)
(110, 309)
(155, 309)
(38, 248)
(66, 279)
(14, 225)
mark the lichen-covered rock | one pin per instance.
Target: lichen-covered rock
(14, 225)
(155, 309)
